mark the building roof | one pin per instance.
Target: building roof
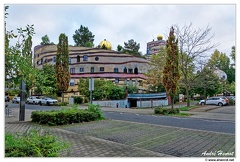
(147, 96)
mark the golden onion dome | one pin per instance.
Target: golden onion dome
(105, 44)
(159, 37)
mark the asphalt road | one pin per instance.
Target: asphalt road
(181, 122)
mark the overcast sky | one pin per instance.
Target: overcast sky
(120, 23)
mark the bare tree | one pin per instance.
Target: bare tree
(193, 47)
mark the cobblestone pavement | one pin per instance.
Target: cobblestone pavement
(111, 138)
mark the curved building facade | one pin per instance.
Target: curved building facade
(96, 63)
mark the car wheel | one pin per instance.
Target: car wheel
(220, 104)
(202, 103)
(40, 103)
(48, 104)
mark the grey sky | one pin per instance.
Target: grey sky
(120, 23)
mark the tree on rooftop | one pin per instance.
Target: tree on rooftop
(171, 73)
(46, 40)
(62, 65)
(83, 37)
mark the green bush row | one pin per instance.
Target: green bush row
(33, 143)
(165, 111)
(67, 116)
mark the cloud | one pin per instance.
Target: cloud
(119, 23)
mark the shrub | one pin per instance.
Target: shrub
(86, 100)
(78, 100)
(61, 104)
(96, 109)
(165, 111)
(34, 143)
(67, 116)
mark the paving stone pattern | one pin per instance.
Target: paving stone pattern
(111, 138)
(167, 140)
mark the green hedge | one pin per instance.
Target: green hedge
(165, 111)
(67, 116)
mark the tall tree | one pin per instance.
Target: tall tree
(62, 64)
(193, 45)
(171, 73)
(83, 37)
(46, 40)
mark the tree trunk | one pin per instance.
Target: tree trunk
(187, 93)
(172, 102)
(62, 97)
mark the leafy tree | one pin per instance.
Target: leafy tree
(232, 88)
(62, 67)
(46, 40)
(156, 67)
(83, 37)
(207, 84)
(193, 44)
(83, 87)
(119, 48)
(222, 61)
(132, 47)
(46, 80)
(102, 89)
(171, 73)
(130, 89)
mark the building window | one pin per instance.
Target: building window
(81, 69)
(136, 71)
(116, 80)
(96, 58)
(115, 70)
(101, 69)
(92, 70)
(125, 70)
(78, 58)
(85, 58)
(69, 61)
(72, 70)
(54, 58)
(130, 71)
(72, 82)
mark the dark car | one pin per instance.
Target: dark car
(7, 99)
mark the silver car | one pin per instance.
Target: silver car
(220, 101)
(16, 100)
(48, 101)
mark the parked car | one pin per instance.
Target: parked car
(48, 101)
(7, 99)
(214, 101)
(33, 100)
(16, 100)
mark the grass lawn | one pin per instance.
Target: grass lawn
(187, 108)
